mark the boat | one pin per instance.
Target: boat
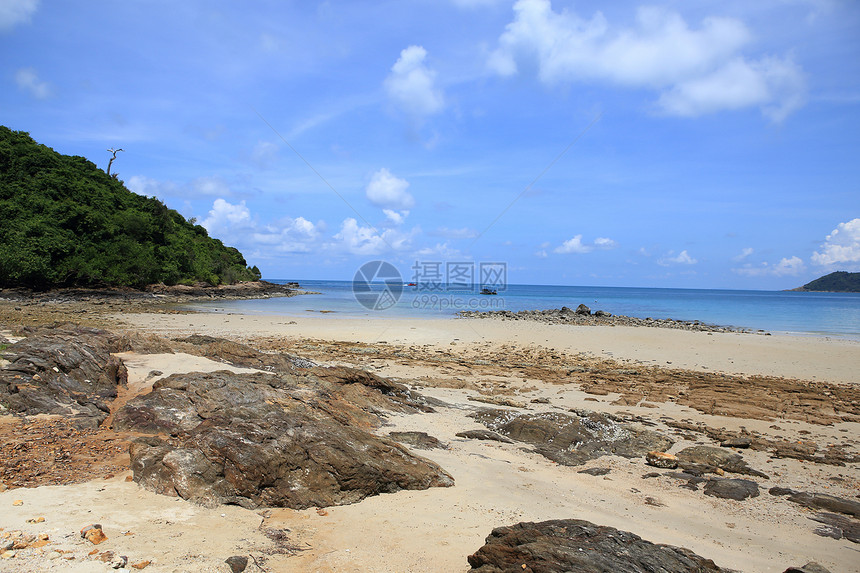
(486, 290)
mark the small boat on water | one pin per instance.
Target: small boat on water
(488, 291)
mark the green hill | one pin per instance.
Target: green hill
(840, 281)
(64, 222)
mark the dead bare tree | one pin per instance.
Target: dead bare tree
(114, 151)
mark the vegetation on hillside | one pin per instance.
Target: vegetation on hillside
(840, 281)
(64, 222)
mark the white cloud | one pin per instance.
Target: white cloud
(225, 217)
(411, 84)
(682, 258)
(210, 186)
(386, 190)
(575, 245)
(744, 254)
(541, 254)
(360, 240)
(143, 185)
(697, 71)
(396, 218)
(441, 251)
(786, 267)
(462, 233)
(265, 154)
(287, 236)
(774, 84)
(28, 80)
(14, 12)
(841, 246)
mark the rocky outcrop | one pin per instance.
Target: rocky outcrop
(573, 440)
(583, 316)
(577, 545)
(707, 458)
(66, 370)
(420, 440)
(736, 489)
(272, 440)
(484, 435)
(819, 501)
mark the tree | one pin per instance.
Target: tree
(114, 151)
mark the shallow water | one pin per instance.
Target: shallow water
(817, 314)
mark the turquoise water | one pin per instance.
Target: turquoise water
(820, 314)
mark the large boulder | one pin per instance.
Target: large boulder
(573, 440)
(266, 440)
(709, 457)
(66, 370)
(577, 545)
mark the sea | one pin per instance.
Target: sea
(835, 315)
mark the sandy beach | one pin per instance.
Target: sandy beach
(466, 365)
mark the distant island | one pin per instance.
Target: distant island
(67, 223)
(840, 281)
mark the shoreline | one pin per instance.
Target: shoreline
(800, 357)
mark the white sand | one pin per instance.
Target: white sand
(807, 358)
(496, 484)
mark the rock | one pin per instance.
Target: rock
(65, 370)
(282, 441)
(420, 440)
(18, 502)
(573, 440)
(819, 501)
(737, 489)
(595, 471)
(93, 534)
(237, 563)
(811, 567)
(837, 527)
(602, 314)
(119, 562)
(484, 435)
(736, 443)
(577, 545)
(661, 460)
(712, 457)
(582, 309)
(142, 564)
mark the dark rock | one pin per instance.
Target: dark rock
(819, 501)
(650, 475)
(601, 313)
(65, 370)
(260, 439)
(737, 489)
(811, 567)
(237, 563)
(484, 435)
(717, 458)
(237, 354)
(573, 440)
(595, 471)
(582, 309)
(837, 527)
(736, 443)
(420, 440)
(581, 546)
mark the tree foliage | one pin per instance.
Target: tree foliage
(65, 222)
(840, 281)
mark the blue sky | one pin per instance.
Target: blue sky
(670, 144)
